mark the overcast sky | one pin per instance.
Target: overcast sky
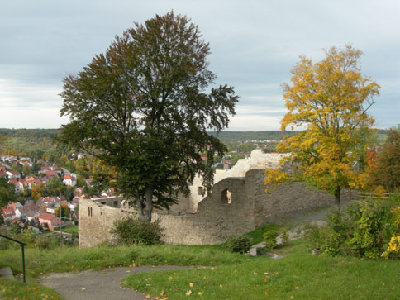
(254, 45)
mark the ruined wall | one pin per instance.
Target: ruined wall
(216, 218)
(234, 206)
(96, 219)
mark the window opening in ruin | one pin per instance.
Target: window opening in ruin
(115, 203)
(90, 211)
(226, 196)
(200, 190)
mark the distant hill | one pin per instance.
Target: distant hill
(226, 136)
(37, 133)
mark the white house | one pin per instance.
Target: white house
(70, 179)
(12, 174)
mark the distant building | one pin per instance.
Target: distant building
(49, 220)
(70, 179)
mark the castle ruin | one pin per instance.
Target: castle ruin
(234, 206)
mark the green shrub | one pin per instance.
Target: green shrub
(270, 234)
(284, 235)
(363, 230)
(239, 244)
(47, 241)
(374, 227)
(132, 231)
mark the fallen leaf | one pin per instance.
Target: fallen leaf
(191, 284)
(265, 279)
(220, 286)
(204, 277)
(83, 289)
(162, 293)
(188, 293)
(200, 293)
(297, 287)
(128, 271)
(170, 278)
(148, 296)
(266, 293)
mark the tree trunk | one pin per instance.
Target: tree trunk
(337, 198)
(144, 205)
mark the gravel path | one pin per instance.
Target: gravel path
(98, 285)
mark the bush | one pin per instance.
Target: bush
(132, 231)
(47, 241)
(365, 229)
(270, 234)
(239, 244)
(284, 232)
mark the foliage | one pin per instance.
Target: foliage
(365, 230)
(132, 231)
(270, 235)
(284, 234)
(55, 187)
(47, 242)
(385, 165)
(63, 211)
(7, 192)
(330, 99)
(393, 248)
(239, 244)
(145, 106)
(29, 142)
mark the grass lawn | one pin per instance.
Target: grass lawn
(71, 229)
(12, 289)
(73, 259)
(222, 275)
(299, 275)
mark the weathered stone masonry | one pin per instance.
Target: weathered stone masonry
(234, 206)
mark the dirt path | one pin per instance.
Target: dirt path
(97, 285)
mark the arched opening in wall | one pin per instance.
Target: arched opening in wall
(226, 196)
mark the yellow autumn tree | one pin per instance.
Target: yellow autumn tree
(328, 100)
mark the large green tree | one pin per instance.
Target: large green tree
(145, 106)
(329, 99)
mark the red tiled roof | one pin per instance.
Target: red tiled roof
(7, 212)
(67, 176)
(46, 216)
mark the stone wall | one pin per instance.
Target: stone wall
(233, 207)
(216, 218)
(96, 219)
